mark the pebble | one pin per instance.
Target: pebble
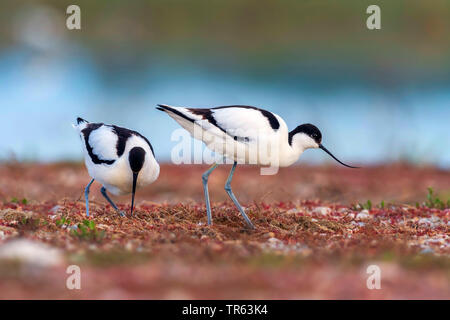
(31, 253)
(364, 214)
(55, 209)
(432, 222)
(324, 211)
(427, 250)
(358, 224)
(292, 211)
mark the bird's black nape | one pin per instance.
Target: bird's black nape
(308, 129)
(136, 158)
(326, 150)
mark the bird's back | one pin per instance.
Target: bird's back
(233, 131)
(236, 121)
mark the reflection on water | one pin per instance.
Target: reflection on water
(41, 95)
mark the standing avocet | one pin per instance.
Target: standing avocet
(120, 159)
(239, 133)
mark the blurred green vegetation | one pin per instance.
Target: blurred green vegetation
(414, 32)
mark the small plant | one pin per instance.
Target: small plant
(435, 202)
(87, 230)
(23, 201)
(30, 223)
(367, 205)
(62, 221)
(382, 204)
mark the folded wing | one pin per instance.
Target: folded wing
(243, 123)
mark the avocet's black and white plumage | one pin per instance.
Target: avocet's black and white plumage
(239, 133)
(120, 159)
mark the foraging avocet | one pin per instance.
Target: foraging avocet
(239, 133)
(120, 159)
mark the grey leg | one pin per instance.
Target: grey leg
(86, 196)
(103, 190)
(205, 177)
(232, 197)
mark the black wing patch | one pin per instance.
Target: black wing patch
(86, 133)
(123, 135)
(207, 114)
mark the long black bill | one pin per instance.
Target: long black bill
(326, 150)
(135, 177)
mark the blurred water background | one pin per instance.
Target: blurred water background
(378, 96)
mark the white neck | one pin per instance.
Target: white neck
(291, 152)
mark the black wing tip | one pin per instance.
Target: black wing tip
(81, 120)
(163, 107)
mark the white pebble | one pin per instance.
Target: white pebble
(31, 253)
(324, 211)
(363, 215)
(55, 209)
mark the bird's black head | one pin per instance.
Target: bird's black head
(136, 158)
(314, 133)
(310, 130)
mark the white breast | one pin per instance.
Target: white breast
(118, 177)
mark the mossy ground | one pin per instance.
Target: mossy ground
(313, 239)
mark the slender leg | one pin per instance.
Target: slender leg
(232, 197)
(205, 177)
(103, 190)
(86, 196)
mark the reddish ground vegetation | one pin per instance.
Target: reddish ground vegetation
(312, 240)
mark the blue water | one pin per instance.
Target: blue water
(41, 95)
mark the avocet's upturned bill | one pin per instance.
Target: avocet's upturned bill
(120, 159)
(240, 133)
